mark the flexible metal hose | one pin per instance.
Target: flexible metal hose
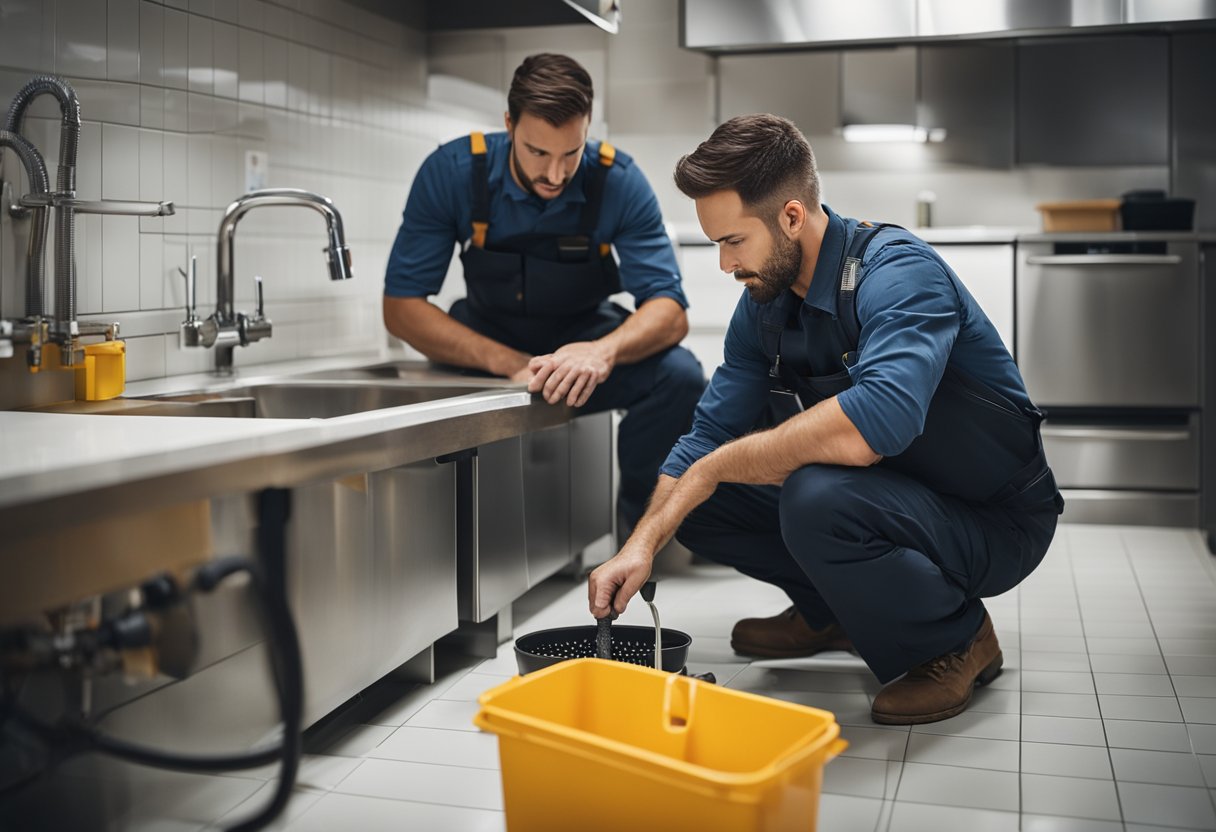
(65, 183)
(35, 169)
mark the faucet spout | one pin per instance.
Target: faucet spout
(338, 253)
(234, 328)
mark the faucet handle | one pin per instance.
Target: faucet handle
(191, 289)
(257, 287)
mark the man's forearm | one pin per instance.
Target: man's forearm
(656, 325)
(823, 434)
(440, 337)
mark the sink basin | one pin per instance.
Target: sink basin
(277, 400)
(414, 372)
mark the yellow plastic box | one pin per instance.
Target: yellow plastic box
(593, 745)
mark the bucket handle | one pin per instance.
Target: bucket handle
(834, 750)
(678, 705)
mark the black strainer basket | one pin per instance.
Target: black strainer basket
(631, 644)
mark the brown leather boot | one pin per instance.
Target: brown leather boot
(785, 636)
(941, 687)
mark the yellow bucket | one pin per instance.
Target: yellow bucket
(591, 745)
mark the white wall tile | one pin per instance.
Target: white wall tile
(201, 113)
(275, 71)
(88, 264)
(177, 110)
(201, 55)
(206, 8)
(152, 107)
(298, 90)
(145, 357)
(120, 263)
(27, 38)
(175, 254)
(252, 64)
(198, 170)
(151, 43)
(152, 165)
(122, 41)
(151, 271)
(88, 161)
(120, 163)
(111, 101)
(253, 14)
(228, 10)
(176, 181)
(175, 72)
(80, 38)
(226, 43)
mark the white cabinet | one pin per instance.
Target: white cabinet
(987, 272)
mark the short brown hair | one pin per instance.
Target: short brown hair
(762, 157)
(553, 87)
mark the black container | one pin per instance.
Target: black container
(629, 644)
(1154, 211)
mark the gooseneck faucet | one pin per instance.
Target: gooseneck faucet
(226, 329)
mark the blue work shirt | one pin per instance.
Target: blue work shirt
(916, 317)
(438, 214)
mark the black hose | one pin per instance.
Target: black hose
(284, 653)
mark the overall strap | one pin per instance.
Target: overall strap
(850, 280)
(594, 190)
(481, 189)
(773, 319)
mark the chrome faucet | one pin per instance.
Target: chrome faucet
(226, 329)
(40, 325)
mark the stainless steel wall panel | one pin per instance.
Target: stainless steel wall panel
(592, 484)
(492, 564)
(878, 86)
(414, 556)
(546, 456)
(1109, 330)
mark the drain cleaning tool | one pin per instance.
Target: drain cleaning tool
(648, 589)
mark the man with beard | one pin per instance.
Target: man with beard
(539, 212)
(904, 479)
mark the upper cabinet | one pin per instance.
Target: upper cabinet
(756, 25)
(1073, 97)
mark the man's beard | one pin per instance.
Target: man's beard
(530, 184)
(778, 273)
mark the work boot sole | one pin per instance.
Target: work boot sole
(762, 652)
(985, 676)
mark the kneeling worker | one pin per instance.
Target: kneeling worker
(539, 210)
(904, 479)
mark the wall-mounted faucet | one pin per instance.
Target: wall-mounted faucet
(58, 325)
(227, 329)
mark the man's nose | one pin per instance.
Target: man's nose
(555, 173)
(726, 261)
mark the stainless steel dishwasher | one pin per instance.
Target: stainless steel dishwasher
(1108, 341)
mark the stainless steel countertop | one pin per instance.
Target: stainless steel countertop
(688, 235)
(57, 469)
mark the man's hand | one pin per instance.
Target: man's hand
(572, 373)
(617, 580)
(523, 374)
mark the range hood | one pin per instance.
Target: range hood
(879, 96)
(721, 26)
(449, 15)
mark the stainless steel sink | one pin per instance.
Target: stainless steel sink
(278, 400)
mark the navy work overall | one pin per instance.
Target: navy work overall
(899, 553)
(538, 292)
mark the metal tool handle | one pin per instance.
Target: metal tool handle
(257, 287)
(648, 590)
(603, 636)
(1104, 260)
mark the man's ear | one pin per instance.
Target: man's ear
(506, 120)
(793, 218)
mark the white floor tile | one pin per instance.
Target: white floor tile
(970, 752)
(1053, 729)
(1050, 823)
(1162, 767)
(441, 713)
(422, 783)
(1148, 736)
(1081, 705)
(1070, 797)
(918, 817)
(440, 747)
(877, 743)
(1143, 803)
(1055, 681)
(1066, 760)
(943, 785)
(366, 814)
(1146, 708)
(1131, 684)
(974, 724)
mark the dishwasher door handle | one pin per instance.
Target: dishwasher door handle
(1116, 434)
(1103, 260)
